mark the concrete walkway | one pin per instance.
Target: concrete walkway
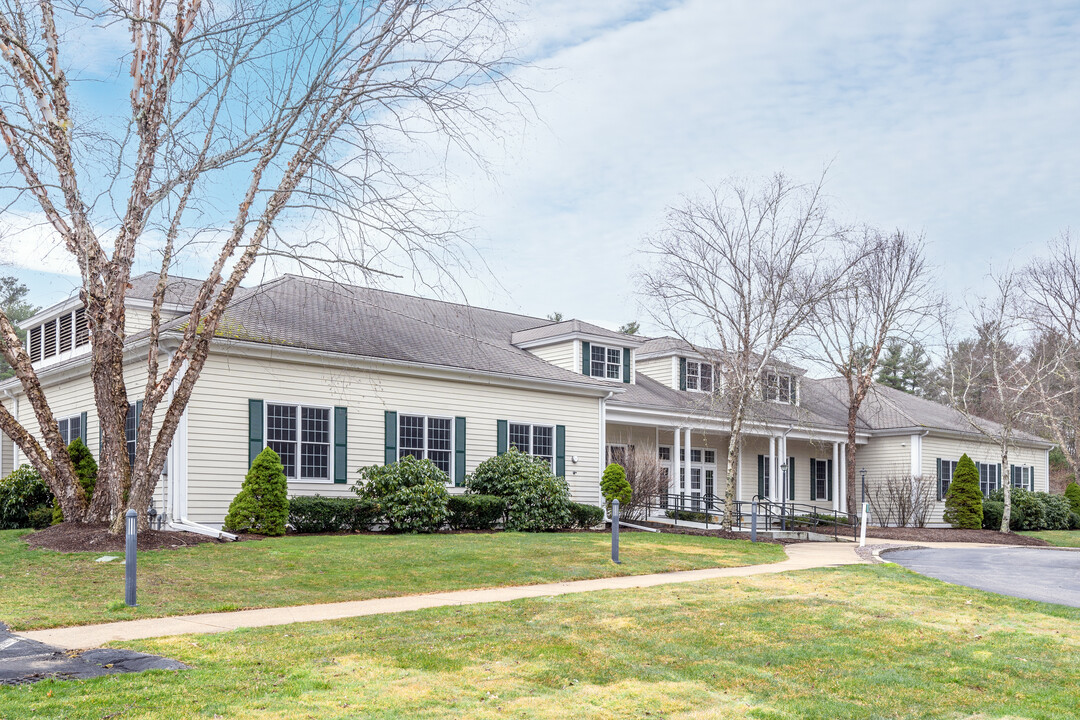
(802, 556)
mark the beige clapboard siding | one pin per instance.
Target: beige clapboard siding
(561, 354)
(661, 370)
(980, 451)
(802, 451)
(218, 421)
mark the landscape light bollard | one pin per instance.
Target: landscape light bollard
(862, 529)
(615, 531)
(130, 526)
(753, 521)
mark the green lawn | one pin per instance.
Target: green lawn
(1061, 538)
(40, 589)
(852, 642)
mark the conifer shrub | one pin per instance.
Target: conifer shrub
(536, 500)
(409, 495)
(25, 500)
(613, 484)
(475, 512)
(963, 503)
(1072, 494)
(262, 505)
(86, 469)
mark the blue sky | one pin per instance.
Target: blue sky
(956, 119)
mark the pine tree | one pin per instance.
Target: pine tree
(963, 503)
(916, 370)
(1072, 494)
(890, 366)
(262, 505)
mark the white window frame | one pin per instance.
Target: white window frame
(532, 439)
(426, 449)
(300, 438)
(951, 465)
(60, 422)
(607, 365)
(821, 492)
(988, 485)
(1027, 476)
(694, 376)
(770, 388)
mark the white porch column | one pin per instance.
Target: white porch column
(843, 476)
(676, 466)
(771, 462)
(835, 479)
(687, 445)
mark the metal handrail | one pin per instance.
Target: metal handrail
(709, 508)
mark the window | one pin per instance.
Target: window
(765, 490)
(699, 376)
(945, 474)
(427, 437)
(1023, 476)
(300, 435)
(131, 426)
(778, 388)
(617, 454)
(605, 362)
(989, 479)
(695, 480)
(535, 440)
(695, 455)
(71, 428)
(664, 454)
(821, 479)
(710, 457)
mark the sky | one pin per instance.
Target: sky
(958, 120)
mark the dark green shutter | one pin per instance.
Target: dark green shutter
(459, 451)
(791, 478)
(829, 483)
(586, 358)
(341, 445)
(939, 493)
(82, 427)
(560, 451)
(760, 476)
(255, 429)
(390, 437)
(813, 480)
(501, 437)
(626, 365)
(998, 476)
(682, 376)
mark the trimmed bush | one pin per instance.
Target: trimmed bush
(86, 468)
(1074, 521)
(262, 505)
(963, 504)
(586, 516)
(1072, 494)
(1035, 510)
(475, 512)
(22, 494)
(613, 484)
(536, 500)
(690, 516)
(318, 514)
(409, 495)
(992, 511)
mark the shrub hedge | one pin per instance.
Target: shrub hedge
(992, 511)
(409, 495)
(586, 516)
(536, 500)
(475, 512)
(1033, 510)
(25, 500)
(318, 514)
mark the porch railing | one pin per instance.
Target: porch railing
(708, 510)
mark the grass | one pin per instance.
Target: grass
(853, 642)
(1061, 538)
(40, 589)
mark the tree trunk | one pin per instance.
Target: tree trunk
(849, 462)
(734, 440)
(1006, 490)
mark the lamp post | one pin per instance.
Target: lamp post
(863, 472)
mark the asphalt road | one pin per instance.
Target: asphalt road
(1033, 573)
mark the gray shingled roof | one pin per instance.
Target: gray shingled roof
(566, 327)
(324, 316)
(661, 346)
(178, 290)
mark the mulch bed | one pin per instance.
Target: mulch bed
(77, 537)
(948, 535)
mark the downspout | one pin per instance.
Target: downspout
(15, 446)
(178, 484)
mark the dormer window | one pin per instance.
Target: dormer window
(58, 335)
(606, 362)
(778, 388)
(699, 376)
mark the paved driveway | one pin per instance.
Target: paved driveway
(1033, 573)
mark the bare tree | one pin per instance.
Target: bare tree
(997, 373)
(281, 129)
(1051, 304)
(737, 273)
(646, 477)
(903, 500)
(888, 295)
